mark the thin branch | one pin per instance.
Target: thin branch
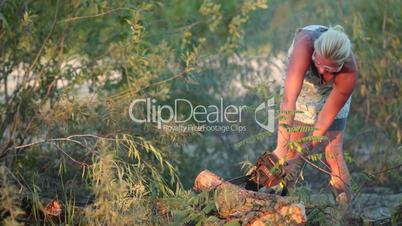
(300, 172)
(68, 139)
(47, 141)
(47, 38)
(121, 94)
(90, 135)
(82, 164)
(317, 167)
(176, 30)
(387, 169)
(15, 177)
(94, 15)
(324, 163)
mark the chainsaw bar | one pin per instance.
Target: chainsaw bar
(239, 180)
(250, 185)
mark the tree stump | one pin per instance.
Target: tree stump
(251, 208)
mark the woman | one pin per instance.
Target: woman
(320, 77)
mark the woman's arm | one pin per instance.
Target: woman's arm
(344, 86)
(299, 62)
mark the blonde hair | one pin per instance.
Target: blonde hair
(334, 44)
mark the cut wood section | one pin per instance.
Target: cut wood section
(253, 208)
(206, 180)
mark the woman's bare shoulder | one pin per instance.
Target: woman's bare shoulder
(348, 76)
(304, 38)
(303, 47)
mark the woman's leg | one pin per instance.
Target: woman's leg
(340, 178)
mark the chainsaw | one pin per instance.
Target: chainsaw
(268, 172)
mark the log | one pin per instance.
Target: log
(206, 180)
(254, 208)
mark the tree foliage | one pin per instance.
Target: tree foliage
(69, 70)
